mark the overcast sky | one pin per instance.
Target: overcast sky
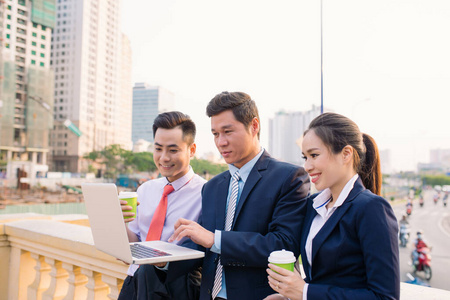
(386, 63)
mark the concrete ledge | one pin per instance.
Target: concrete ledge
(417, 292)
(63, 241)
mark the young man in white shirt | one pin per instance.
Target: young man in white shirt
(174, 134)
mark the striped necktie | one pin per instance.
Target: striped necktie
(228, 222)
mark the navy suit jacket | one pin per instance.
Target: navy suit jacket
(355, 255)
(268, 217)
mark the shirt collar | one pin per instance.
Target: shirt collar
(180, 182)
(245, 170)
(319, 203)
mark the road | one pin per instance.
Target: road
(434, 220)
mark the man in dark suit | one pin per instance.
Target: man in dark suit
(253, 209)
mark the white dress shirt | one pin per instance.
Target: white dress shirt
(323, 214)
(184, 202)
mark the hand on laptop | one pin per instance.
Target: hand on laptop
(124, 206)
(194, 231)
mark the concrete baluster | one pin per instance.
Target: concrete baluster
(96, 288)
(58, 281)
(115, 285)
(39, 285)
(77, 282)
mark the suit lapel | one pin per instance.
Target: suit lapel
(251, 182)
(333, 221)
(310, 215)
(221, 200)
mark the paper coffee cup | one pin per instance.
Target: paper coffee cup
(284, 259)
(131, 198)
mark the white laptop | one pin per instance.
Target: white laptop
(110, 236)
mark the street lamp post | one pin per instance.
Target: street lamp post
(321, 59)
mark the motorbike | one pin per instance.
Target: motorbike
(435, 199)
(421, 201)
(404, 235)
(444, 200)
(409, 210)
(423, 262)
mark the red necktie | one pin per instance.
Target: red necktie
(157, 224)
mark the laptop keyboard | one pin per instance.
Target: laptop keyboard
(141, 251)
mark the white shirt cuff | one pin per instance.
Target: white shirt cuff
(305, 291)
(165, 268)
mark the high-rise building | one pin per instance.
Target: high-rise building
(91, 60)
(148, 102)
(286, 132)
(26, 80)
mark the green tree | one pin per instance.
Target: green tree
(143, 161)
(202, 166)
(112, 158)
(435, 180)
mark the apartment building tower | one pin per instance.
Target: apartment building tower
(26, 81)
(286, 132)
(91, 59)
(148, 102)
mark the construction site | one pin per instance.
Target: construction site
(39, 195)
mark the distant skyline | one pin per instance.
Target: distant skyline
(386, 63)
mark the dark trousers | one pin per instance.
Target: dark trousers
(147, 283)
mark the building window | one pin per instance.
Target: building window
(34, 34)
(43, 37)
(42, 55)
(8, 26)
(42, 46)
(34, 25)
(33, 43)
(33, 62)
(44, 27)
(41, 64)
(8, 36)
(33, 52)
(9, 17)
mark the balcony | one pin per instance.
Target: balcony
(53, 257)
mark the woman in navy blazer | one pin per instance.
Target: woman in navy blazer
(349, 245)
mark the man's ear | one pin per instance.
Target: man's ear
(192, 149)
(254, 126)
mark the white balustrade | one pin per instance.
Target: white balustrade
(55, 260)
(48, 259)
